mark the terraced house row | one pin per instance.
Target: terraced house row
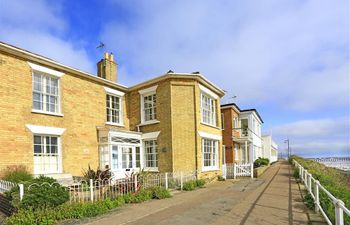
(58, 120)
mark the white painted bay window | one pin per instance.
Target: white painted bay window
(208, 106)
(210, 154)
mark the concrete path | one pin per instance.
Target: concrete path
(275, 198)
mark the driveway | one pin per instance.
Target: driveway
(272, 199)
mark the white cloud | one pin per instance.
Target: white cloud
(315, 137)
(292, 53)
(40, 27)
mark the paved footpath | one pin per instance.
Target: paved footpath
(275, 198)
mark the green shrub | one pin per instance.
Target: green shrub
(160, 193)
(221, 178)
(261, 162)
(39, 192)
(16, 174)
(142, 195)
(189, 185)
(200, 183)
(296, 174)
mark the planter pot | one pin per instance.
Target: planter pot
(260, 170)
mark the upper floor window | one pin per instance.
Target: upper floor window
(148, 105)
(208, 106)
(208, 110)
(222, 121)
(113, 104)
(45, 93)
(46, 89)
(235, 122)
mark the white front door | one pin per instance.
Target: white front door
(46, 154)
(125, 160)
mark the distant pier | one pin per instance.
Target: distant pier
(342, 163)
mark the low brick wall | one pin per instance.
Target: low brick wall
(5, 205)
(260, 170)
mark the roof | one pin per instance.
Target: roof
(242, 110)
(50, 62)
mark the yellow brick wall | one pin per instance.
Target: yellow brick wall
(83, 106)
(183, 126)
(164, 140)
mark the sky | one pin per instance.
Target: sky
(289, 59)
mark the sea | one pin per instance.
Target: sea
(341, 163)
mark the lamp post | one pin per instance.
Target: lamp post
(288, 149)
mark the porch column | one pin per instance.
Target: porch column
(246, 152)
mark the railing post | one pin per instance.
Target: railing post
(166, 180)
(234, 171)
(305, 177)
(21, 191)
(251, 170)
(317, 196)
(181, 181)
(339, 217)
(310, 182)
(300, 172)
(91, 190)
(224, 171)
(135, 182)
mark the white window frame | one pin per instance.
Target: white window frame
(42, 71)
(120, 95)
(145, 93)
(212, 96)
(222, 121)
(213, 154)
(48, 131)
(152, 168)
(212, 114)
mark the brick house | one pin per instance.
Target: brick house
(241, 131)
(58, 120)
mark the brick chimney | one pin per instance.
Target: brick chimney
(107, 67)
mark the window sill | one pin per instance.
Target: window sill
(210, 169)
(210, 125)
(115, 124)
(151, 169)
(47, 113)
(149, 122)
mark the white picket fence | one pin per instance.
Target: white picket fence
(85, 191)
(111, 188)
(314, 187)
(234, 170)
(6, 186)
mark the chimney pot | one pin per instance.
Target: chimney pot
(106, 55)
(111, 57)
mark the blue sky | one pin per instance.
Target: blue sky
(289, 59)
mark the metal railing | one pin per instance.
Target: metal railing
(314, 187)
